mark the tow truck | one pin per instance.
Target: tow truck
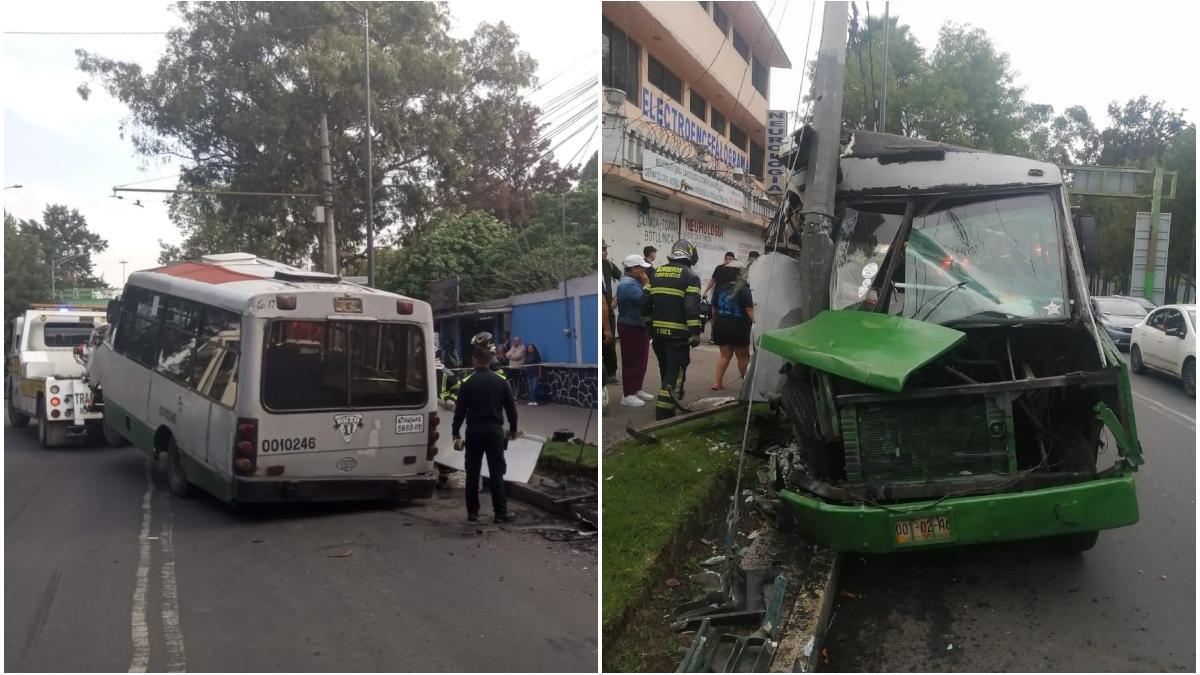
(46, 379)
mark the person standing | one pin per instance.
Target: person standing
(650, 254)
(533, 372)
(673, 304)
(631, 326)
(720, 273)
(516, 353)
(609, 349)
(483, 399)
(733, 313)
(447, 388)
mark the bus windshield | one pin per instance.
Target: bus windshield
(319, 365)
(66, 334)
(976, 260)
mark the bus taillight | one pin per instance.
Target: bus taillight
(434, 420)
(245, 447)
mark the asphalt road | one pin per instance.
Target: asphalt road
(1126, 605)
(90, 585)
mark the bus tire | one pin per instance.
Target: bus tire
(1076, 542)
(16, 418)
(111, 437)
(176, 475)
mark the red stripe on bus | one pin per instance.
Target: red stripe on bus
(209, 274)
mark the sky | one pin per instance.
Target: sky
(67, 151)
(1066, 53)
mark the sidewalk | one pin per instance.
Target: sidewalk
(699, 378)
(543, 419)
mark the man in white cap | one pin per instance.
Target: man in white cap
(631, 326)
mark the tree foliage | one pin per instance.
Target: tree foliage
(239, 92)
(61, 237)
(26, 277)
(489, 260)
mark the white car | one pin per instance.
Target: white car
(1166, 341)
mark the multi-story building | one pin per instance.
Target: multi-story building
(685, 127)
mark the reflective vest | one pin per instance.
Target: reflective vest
(673, 302)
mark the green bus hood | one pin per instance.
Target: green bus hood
(879, 350)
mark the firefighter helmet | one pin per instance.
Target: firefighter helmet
(482, 342)
(684, 250)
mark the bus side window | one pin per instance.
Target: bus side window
(214, 374)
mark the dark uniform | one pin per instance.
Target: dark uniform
(448, 385)
(484, 397)
(673, 305)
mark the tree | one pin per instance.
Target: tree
(864, 74)
(238, 96)
(26, 277)
(62, 233)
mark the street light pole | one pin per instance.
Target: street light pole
(370, 183)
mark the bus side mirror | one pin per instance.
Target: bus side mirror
(1088, 234)
(113, 313)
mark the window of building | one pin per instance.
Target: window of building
(666, 81)
(717, 122)
(740, 45)
(620, 63)
(758, 76)
(721, 19)
(737, 136)
(698, 105)
(757, 159)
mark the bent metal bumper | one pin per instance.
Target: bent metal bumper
(1095, 505)
(419, 486)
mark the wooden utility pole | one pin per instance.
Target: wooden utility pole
(330, 239)
(816, 241)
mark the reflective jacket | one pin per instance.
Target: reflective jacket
(673, 303)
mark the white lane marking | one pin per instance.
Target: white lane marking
(172, 633)
(1190, 421)
(139, 627)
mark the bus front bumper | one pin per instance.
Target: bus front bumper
(419, 486)
(1081, 507)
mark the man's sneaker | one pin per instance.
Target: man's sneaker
(633, 401)
(645, 397)
(473, 517)
(505, 517)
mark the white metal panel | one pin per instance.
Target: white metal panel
(775, 280)
(520, 459)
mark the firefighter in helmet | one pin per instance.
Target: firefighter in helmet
(673, 305)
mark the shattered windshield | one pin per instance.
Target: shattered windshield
(986, 260)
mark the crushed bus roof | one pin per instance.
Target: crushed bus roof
(878, 164)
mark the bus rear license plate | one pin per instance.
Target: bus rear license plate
(922, 530)
(347, 305)
(410, 424)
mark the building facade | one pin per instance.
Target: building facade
(685, 133)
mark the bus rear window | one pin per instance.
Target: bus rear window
(317, 365)
(66, 334)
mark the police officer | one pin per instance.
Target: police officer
(673, 305)
(484, 398)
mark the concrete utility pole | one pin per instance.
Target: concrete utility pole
(123, 264)
(816, 241)
(1152, 244)
(330, 245)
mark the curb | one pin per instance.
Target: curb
(803, 634)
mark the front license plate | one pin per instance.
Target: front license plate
(922, 530)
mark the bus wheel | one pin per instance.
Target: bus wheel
(1076, 542)
(176, 475)
(18, 419)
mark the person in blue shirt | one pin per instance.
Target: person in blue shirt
(733, 313)
(631, 327)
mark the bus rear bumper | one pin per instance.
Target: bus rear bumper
(419, 486)
(1095, 505)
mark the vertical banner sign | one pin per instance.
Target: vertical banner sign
(1141, 246)
(776, 131)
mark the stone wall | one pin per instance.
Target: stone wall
(563, 384)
